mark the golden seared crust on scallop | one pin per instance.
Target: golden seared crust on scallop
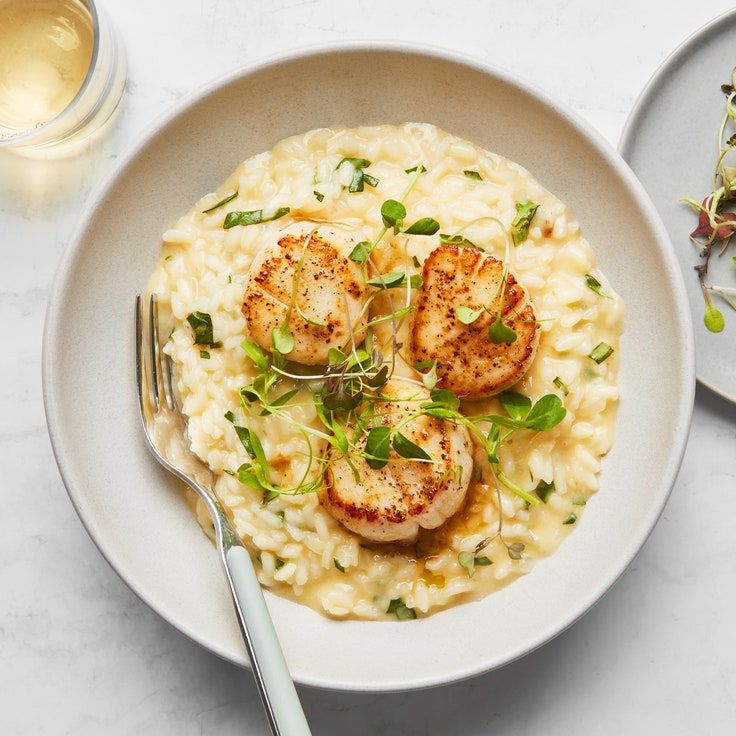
(391, 504)
(468, 362)
(330, 294)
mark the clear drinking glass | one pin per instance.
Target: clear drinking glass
(96, 100)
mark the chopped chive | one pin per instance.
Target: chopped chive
(578, 501)
(401, 610)
(561, 385)
(229, 198)
(601, 352)
(594, 285)
(319, 196)
(543, 490)
(419, 167)
(571, 519)
(279, 563)
(473, 175)
(253, 217)
(204, 354)
(338, 565)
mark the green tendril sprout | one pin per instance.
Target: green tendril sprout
(716, 218)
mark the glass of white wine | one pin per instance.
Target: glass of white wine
(62, 73)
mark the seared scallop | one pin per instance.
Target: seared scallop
(468, 361)
(330, 293)
(391, 504)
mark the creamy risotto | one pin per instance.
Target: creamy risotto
(398, 359)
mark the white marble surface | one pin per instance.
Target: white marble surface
(79, 654)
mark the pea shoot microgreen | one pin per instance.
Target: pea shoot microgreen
(716, 218)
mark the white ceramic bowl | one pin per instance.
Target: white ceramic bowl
(133, 510)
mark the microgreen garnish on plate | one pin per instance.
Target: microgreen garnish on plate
(525, 212)
(225, 200)
(473, 175)
(253, 217)
(716, 217)
(201, 324)
(359, 177)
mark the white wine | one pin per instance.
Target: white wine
(45, 53)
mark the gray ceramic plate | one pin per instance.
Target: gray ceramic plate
(132, 509)
(670, 142)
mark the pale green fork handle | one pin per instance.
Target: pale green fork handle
(269, 666)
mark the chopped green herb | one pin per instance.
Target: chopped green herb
(359, 177)
(318, 195)
(229, 416)
(525, 212)
(600, 352)
(578, 501)
(281, 514)
(253, 217)
(338, 565)
(204, 354)
(561, 385)
(473, 175)
(201, 323)
(571, 519)
(419, 167)
(229, 198)
(279, 563)
(416, 262)
(401, 610)
(544, 489)
(594, 285)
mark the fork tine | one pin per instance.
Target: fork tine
(156, 384)
(142, 371)
(162, 371)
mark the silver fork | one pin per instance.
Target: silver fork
(158, 402)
